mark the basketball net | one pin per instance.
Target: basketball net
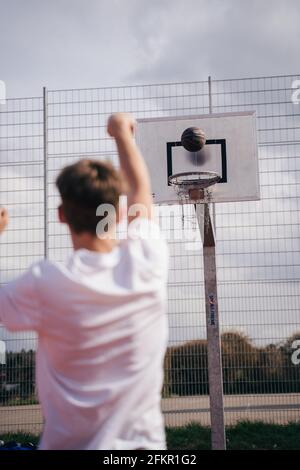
(193, 188)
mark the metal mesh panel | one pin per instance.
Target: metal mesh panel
(257, 242)
(21, 191)
(258, 259)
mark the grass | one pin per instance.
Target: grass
(22, 438)
(243, 436)
(20, 401)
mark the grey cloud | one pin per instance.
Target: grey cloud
(224, 39)
(72, 43)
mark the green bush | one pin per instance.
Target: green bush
(247, 368)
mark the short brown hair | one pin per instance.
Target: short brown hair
(85, 185)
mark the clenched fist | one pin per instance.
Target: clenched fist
(120, 124)
(3, 219)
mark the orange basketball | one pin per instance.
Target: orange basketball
(193, 139)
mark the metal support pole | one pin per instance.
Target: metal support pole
(215, 375)
(45, 147)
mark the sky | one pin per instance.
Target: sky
(75, 43)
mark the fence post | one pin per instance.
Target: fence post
(210, 101)
(45, 162)
(210, 95)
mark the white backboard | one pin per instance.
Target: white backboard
(230, 150)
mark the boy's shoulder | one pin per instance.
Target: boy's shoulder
(144, 247)
(147, 233)
(45, 267)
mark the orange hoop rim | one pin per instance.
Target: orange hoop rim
(194, 180)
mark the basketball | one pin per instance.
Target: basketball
(193, 139)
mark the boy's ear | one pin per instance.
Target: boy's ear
(61, 214)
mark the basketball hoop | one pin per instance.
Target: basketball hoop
(194, 187)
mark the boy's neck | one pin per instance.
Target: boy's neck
(92, 243)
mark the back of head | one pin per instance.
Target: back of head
(83, 187)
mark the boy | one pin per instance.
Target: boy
(100, 317)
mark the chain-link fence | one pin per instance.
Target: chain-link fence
(258, 244)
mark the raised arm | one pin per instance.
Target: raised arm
(3, 219)
(121, 127)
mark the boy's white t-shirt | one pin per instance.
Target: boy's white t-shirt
(102, 330)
